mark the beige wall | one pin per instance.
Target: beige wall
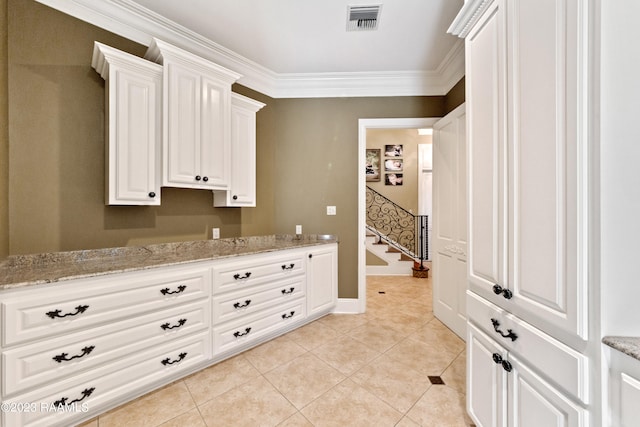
(455, 97)
(405, 195)
(56, 146)
(4, 136)
(316, 159)
(307, 155)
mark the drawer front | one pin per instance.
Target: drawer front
(555, 361)
(230, 306)
(255, 270)
(96, 389)
(62, 308)
(45, 361)
(243, 332)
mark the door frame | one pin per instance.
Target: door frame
(363, 125)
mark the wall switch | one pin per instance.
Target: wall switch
(298, 229)
(215, 233)
(331, 210)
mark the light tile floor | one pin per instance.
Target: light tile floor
(367, 369)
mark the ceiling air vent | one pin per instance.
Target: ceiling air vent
(363, 18)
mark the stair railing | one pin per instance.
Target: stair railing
(397, 226)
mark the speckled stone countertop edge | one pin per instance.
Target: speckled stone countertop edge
(627, 345)
(21, 271)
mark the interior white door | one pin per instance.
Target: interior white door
(450, 221)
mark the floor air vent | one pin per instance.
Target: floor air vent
(363, 18)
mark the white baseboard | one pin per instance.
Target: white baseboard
(347, 306)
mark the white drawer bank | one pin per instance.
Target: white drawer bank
(73, 349)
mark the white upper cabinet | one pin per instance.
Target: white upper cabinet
(196, 119)
(527, 177)
(242, 188)
(133, 126)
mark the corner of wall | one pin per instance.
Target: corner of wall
(4, 132)
(455, 97)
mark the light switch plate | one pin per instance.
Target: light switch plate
(298, 229)
(331, 210)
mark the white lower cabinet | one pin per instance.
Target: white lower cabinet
(503, 391)
(624, 390)
(71, 350)
(322, 280)
(246, 331)
(96, 390)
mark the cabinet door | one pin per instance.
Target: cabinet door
(242, 188)
(134, 148)
(486, 380)
(214, 155)
(487, 261)
(322, 280)
(133, 130)
(545, 180)
(181, 149)
(243, 169)
(535, 403)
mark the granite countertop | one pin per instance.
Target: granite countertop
(627, 345)
(25, 270)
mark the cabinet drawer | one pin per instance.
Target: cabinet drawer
(98, 388)
(234, 305)
(255, 270)
(243, 332)
(45, 361)
(61, 308)
(555, 361)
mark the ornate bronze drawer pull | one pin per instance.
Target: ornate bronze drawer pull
(166, 326)
(166, 291)
(510, 334)
(56, 313)
(85, 393)
(239, 334)
(238, 305)
(168, 361)
(239, 277)
(62, 357)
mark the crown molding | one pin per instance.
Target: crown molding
(134, 22)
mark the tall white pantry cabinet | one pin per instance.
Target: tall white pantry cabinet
(530, 348)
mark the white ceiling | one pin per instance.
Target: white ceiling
(299, 48)
(309, 36)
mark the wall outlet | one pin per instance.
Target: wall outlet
(331, 210)
(215, 233)
(298, 229)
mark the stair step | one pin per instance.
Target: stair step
(405, 257)
(393, 250)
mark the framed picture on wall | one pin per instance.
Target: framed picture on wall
(393, 150)
(393, 165)
(372, 167)
(393, 179)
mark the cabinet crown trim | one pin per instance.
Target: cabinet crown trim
(468, 16)
(241, 100)
(158, 51)
(104, 56)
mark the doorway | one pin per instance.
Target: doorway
(363, 126)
